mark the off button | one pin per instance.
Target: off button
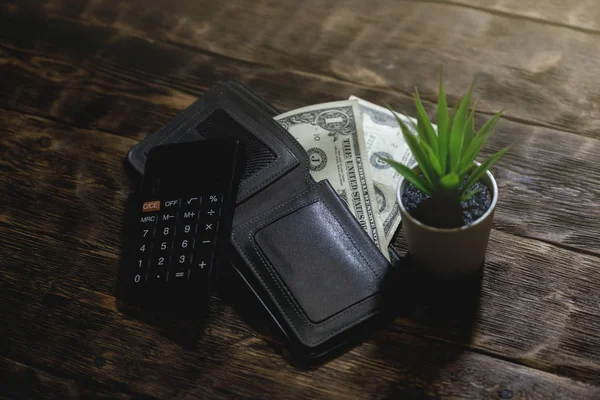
(171, 203)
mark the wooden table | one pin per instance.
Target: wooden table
(83, 81)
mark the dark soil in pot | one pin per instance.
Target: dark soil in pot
(444, 213)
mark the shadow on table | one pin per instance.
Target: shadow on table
(446, 309)
(234, 291)
(422, 309)
(432, 308)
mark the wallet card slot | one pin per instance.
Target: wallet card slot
(318, 262)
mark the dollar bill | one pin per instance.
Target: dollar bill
(333, 137)
(383, 138)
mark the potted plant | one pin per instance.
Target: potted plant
(447, 199)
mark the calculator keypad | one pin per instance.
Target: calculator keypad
(177, 239)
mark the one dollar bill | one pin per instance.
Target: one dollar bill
(383, 138)
(332, 135)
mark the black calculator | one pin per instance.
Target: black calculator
(183, 220)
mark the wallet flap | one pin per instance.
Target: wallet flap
(316, 262)
(220, 113)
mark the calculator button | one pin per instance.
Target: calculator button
(211, 212)
(178, 275)
(166, 231)
(149, 219)
(162, 247)
(151, 206)
(161, 261)
(143, 249)
(205, 242)
(213, 199)
(172, 204)
(139, 279)
(186, 229)
(190, 215)
(206, 228)
(168, 217)
(142, 262)
(184, 244)
(182, 259)
(157, 278)
(192, 202)
(147, 232)
(203, 260)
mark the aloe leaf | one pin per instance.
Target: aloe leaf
(417, 151)
(435, 163)
(478, 142)
(426, 130)
(458, 127)
(442, 124)
(467, 196)
(469, 130)
(449, 129)
(481, 169)
(410, 175)
(463, 172)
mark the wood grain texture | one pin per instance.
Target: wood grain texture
(521, 66)
(534, 302)
(580, 15)
(20, 381)
(229, 360)
(132, 96)
(68, 180)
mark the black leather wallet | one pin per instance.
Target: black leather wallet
(295, 243)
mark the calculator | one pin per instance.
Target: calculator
(183, 220)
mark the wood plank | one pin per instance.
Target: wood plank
(581, 15)
(387, 47)
(538, 305)
(167, 358)
(533, 305)
(549, 180)
(20, 381)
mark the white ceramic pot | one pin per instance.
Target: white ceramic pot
(449, 253)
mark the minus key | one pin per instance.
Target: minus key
(206, 241)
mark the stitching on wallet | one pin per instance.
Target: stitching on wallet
(284, 289)
(262, 184)
(286, 133)
(354, 244)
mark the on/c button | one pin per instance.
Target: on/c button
(151, 206)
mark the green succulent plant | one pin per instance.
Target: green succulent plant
(446, 158)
